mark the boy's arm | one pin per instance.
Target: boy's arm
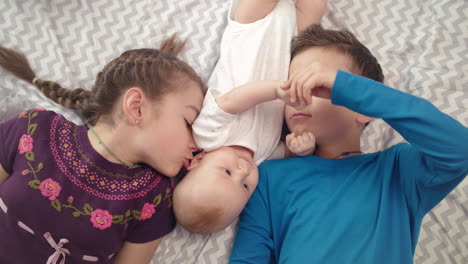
(254, 243)
(249, 11)
(437, 159)
(434, 163)
(309, 12)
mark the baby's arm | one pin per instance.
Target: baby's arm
(309, 12)
(249, 11)
(246, 96)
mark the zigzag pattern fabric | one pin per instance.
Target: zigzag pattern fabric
(422, 47)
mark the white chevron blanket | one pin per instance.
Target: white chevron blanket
(422, 46)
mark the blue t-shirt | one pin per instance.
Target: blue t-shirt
(361, 209)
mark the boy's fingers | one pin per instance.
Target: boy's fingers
(289, 137)
(310, 137)
(292, 92)
(300, 140)
(309, 86)
(306, 90)
(299, 92)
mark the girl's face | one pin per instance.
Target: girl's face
(166, 139)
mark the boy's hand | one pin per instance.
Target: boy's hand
(314, 80)
(301, 145)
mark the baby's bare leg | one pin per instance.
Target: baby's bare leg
(249, 11)
(309, 12)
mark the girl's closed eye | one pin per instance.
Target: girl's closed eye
(246, 186)
(189, 126)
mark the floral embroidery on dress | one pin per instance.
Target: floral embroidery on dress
(99, 218)
(85, 174)
(25, 144)
(50, 188)
(147, 211)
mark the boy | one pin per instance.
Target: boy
(240, 125)
(342, 206)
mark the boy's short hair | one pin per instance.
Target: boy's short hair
(343, 40)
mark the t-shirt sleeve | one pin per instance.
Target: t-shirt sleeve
(254, 239)
(10, 133)
(211, 128)
(156, 217)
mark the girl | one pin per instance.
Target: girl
(97, 193)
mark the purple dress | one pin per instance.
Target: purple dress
(63, 199)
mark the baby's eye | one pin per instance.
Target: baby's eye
(246, 186)
(228, 172)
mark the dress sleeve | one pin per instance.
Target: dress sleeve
(10, 134)
(435, 160)
(155, 221)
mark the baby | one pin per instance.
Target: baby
(240, 124)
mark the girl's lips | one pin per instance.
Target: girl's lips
(186, 163)
(300, 115)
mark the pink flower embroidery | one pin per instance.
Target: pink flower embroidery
(39, 109)
(50, 188)
(25, 144)
(22, 113)
(70, 199)
(24, 172)
(101, 219)
(147, 211)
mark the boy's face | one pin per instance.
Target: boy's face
(326, 121)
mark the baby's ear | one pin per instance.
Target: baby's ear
(196, 160)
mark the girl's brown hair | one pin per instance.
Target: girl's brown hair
(156, 72)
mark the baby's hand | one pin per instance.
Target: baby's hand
(284, 95)
(301, 145)
(313, 80)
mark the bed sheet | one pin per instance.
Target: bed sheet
(422, 46)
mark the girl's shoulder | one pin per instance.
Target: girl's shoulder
(37, 122)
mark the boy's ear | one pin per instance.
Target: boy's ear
(132, 105)
(362, 119)
(196, 160)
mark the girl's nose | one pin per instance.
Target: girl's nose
(192, 146)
